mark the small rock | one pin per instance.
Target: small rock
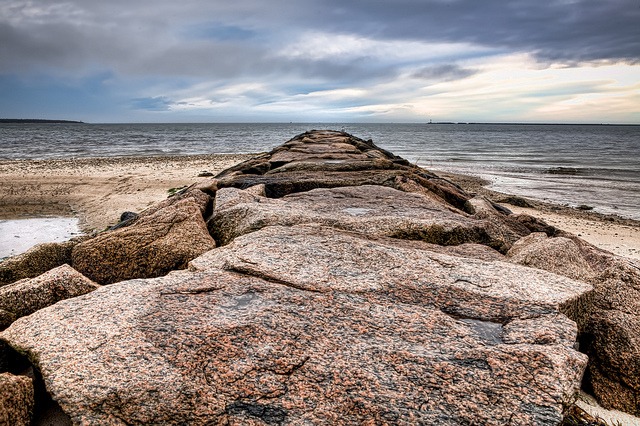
(16, 400)
(516, 201)
(31, 294)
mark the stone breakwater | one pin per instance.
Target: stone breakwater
(325, 282)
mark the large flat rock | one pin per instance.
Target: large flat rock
(320, 259)
(369, 209)
(222, 347)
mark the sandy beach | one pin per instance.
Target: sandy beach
(612, 233)
(97, 191)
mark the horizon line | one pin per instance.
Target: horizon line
(515, 123)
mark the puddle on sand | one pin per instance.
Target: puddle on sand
(19, 235)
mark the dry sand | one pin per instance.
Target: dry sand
(609, 232)
(98, 190)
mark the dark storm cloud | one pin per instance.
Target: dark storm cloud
(202, 37)
(557, 30)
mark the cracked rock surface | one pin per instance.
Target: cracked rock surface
(349, 287)
(219, 346)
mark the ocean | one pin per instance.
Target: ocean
(592, 165)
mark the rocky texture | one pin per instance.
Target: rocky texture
(368, 209)
(609, 322)
(161, 239)
(37, 260)
(229, 348)
(26, 296)
(352, 288)
(340, 261)
(6, 318)
(328, 159)
(16, 400)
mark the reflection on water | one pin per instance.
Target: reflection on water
(19, 235)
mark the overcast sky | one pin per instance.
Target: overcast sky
(321, 60)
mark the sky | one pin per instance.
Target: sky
(567, 61)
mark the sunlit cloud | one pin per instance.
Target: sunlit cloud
(346, 60)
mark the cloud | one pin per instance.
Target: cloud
(177, 38)
(216, 31)
(158, 103)
(306, 55)
(556, 30)
(444, 72)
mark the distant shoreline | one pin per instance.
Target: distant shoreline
(37, 121)
(486, 123)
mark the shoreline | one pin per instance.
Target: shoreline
(98, 190)
(613, 233)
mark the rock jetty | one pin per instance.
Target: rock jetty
(325, 282)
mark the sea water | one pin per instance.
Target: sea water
(593, 165)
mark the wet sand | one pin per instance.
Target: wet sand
(97, 191)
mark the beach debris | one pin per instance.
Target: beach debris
(176, 190)
(348, 287)
(126, 219)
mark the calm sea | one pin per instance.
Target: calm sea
(597, 166)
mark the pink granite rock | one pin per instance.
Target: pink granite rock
(16, 400)
(608, 320)
(221, 347)
(368, 209)
(162, 239)
(330, 159)
(353, 288)
(26, 296)
(343, 261)
(37, 260)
